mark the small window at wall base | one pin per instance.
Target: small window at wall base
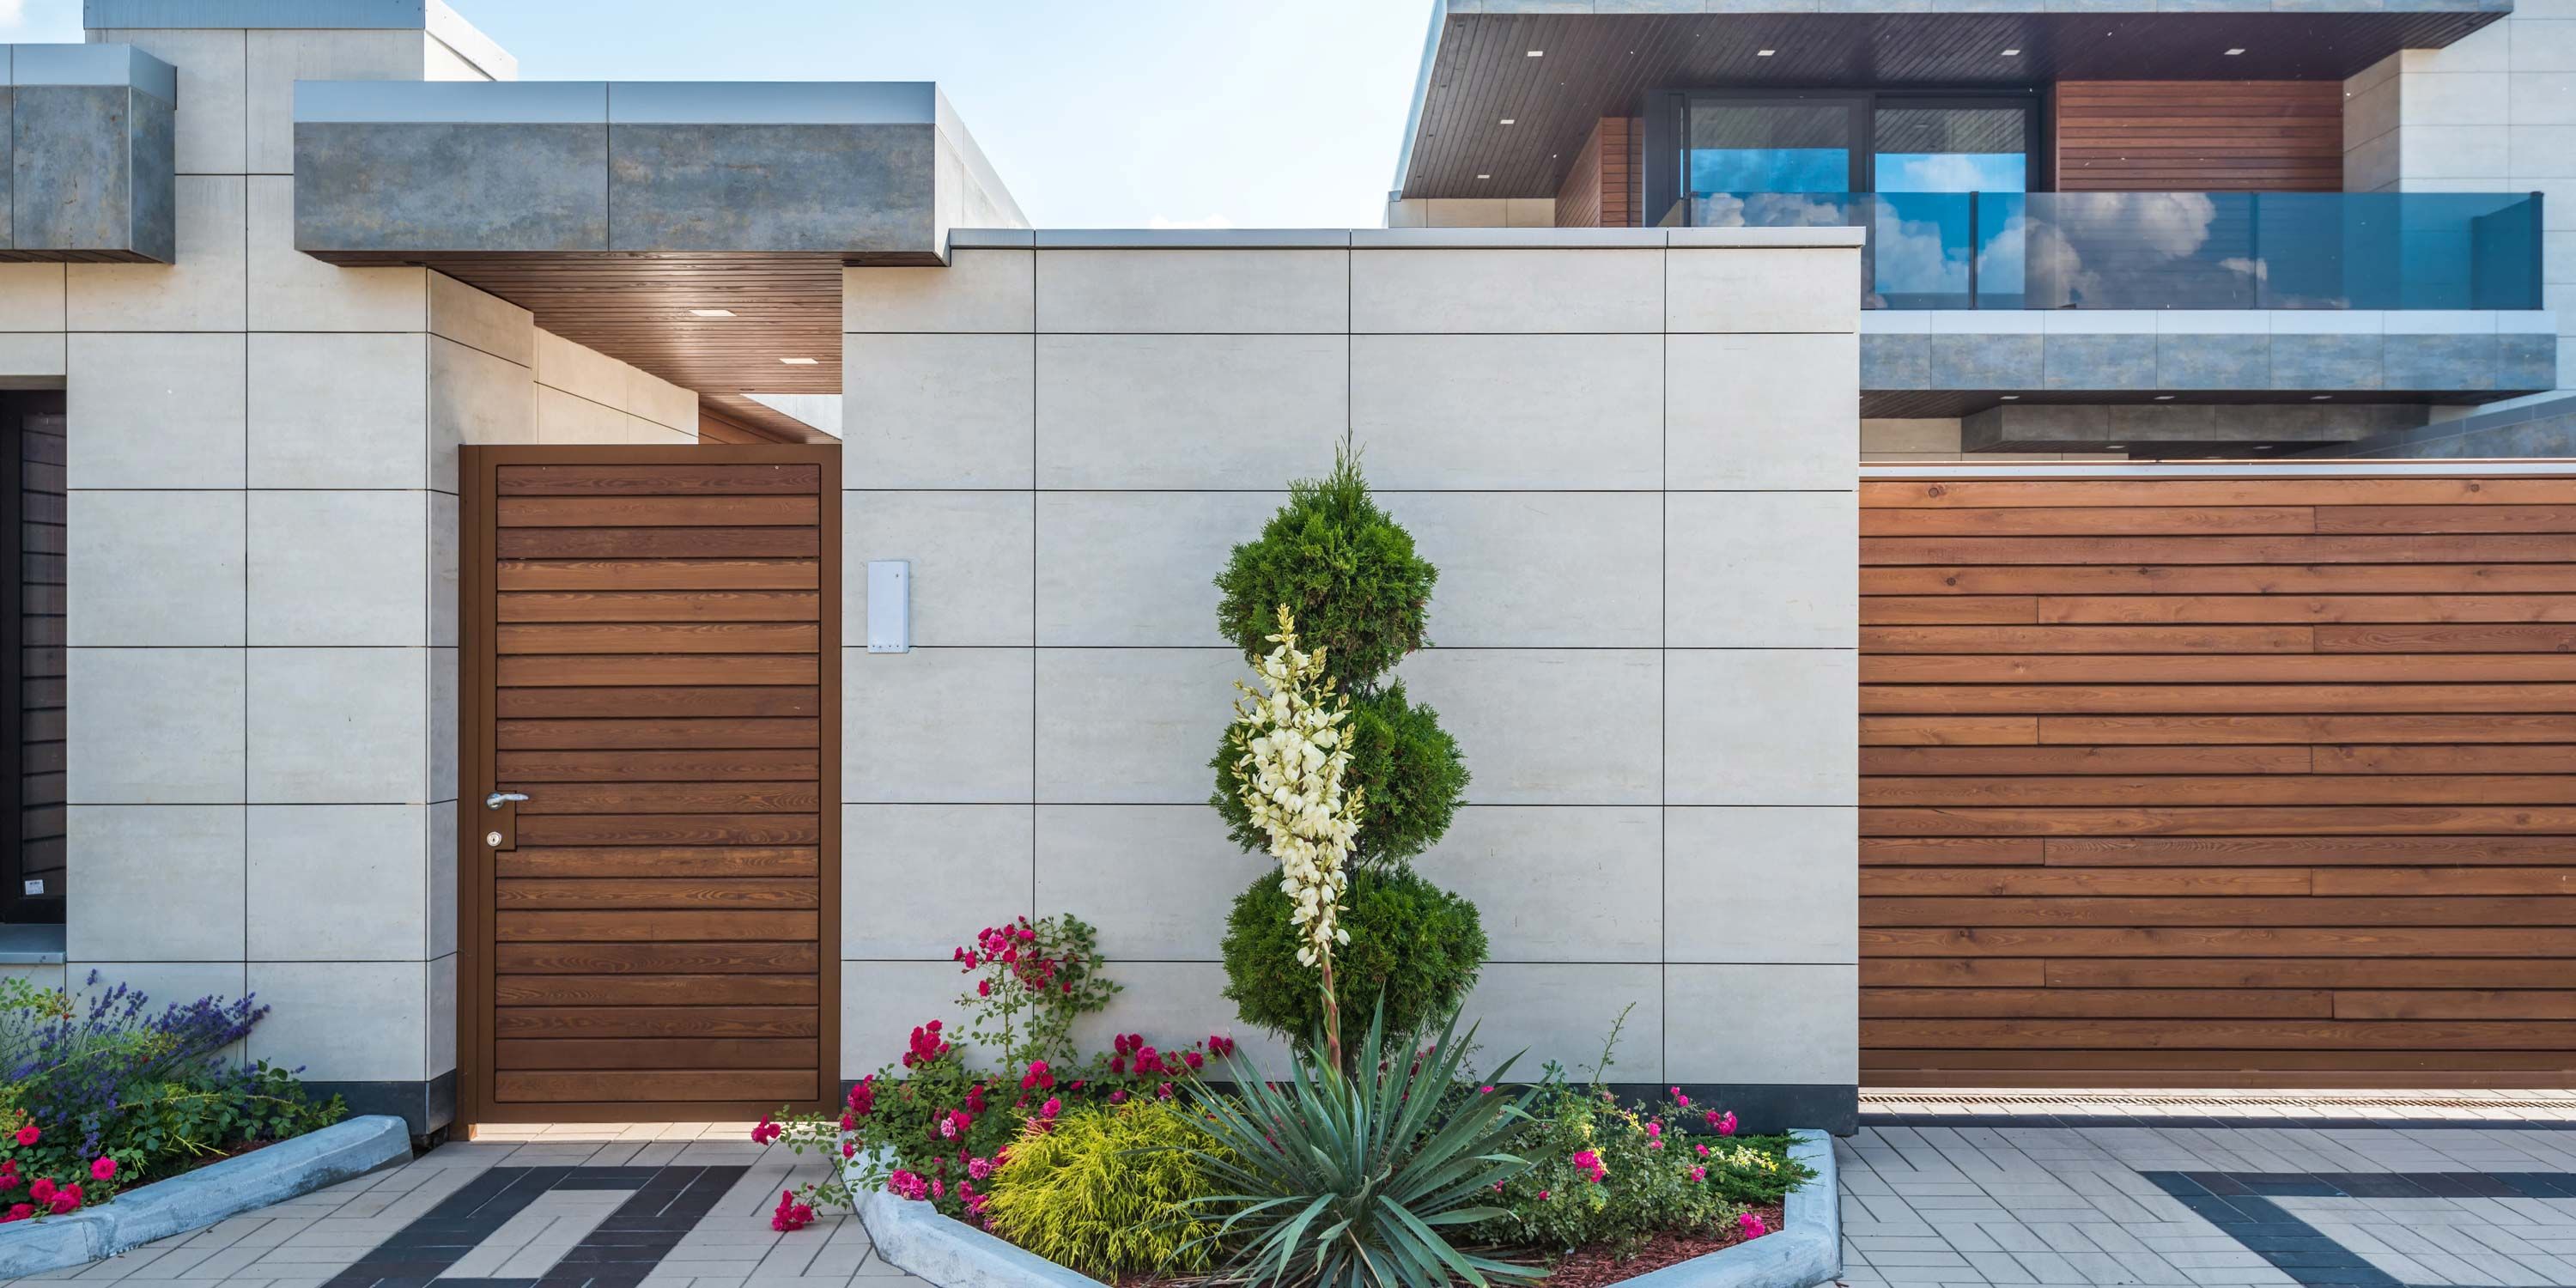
(32, 876)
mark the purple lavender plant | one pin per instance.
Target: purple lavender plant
(73, 1066)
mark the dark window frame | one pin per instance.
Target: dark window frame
(1667, 127)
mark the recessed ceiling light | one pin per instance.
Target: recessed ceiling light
(799, 362)
(711, 313)
(2115, 447)
(1764, 53)
(1538, 53)
(2319, 397)
(2234, 52)
(1505, 121)
(2011, 397)
(2164, 397)
(1484, 176)
(2262, 447)
(2012, 53)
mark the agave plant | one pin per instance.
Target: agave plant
(1346, 1179)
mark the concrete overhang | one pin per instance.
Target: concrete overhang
(1597, 58)
(432, 17)
(2168, 367)
(89, 166)
(861, 172)
(696, 229)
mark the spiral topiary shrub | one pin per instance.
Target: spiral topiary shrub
(1413, 944)
(1343, 567)
(1109, 1190)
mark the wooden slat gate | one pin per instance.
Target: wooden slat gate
(651, 657)
(2219, 782)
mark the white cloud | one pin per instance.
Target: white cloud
(1158, 221)
(13, 13)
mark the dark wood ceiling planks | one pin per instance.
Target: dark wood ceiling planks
(1604, 65)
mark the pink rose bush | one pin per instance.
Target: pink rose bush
(937, 1124)
(1605, 1173)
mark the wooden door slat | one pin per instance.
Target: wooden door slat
(650, 654)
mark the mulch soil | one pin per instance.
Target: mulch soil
(1595, 1267)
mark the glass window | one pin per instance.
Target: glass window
(1933, 148)
(1739, 147)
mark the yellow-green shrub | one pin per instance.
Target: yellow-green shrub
(1102, 1191)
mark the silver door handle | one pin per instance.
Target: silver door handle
(497, 799)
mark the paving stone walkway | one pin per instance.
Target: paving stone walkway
(655, 1205)
(1938, 1189)
(2336, 1195)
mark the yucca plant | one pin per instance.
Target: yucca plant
(1346, 1179)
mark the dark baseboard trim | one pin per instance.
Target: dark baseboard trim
(2232, 1121)
(426, 1106)
(1765, 1107)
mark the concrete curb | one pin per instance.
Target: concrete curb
(952, 1254)
(1809, 1251)
(200, 1198)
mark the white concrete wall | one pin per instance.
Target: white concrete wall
(2495, 112)
(585, 396)
(1634, 466)
(1471, 212)
(262, 566)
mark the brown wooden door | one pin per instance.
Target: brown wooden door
(650, 654)
(2189, 781)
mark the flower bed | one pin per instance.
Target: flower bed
(1389, 1161)
(105, 1092)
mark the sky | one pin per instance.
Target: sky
(1097, 114)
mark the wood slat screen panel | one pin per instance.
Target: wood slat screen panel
(1604, 189)
(2167, 782)
(2199, 136)
(655, 642)
(41, 673)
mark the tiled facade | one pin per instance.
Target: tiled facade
(1632, 463)
(261, 612)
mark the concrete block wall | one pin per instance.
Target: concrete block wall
(2495, 112)
(585, 396)
(262, 567)
(1632, 457)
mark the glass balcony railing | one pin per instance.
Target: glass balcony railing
(2171, 250)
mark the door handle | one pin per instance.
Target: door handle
(498, 799)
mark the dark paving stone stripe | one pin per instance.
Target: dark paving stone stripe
(2235, 1203)
(668, 1202)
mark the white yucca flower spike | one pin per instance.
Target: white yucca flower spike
(1292, 766)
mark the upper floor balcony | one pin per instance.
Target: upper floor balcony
(2170, 250)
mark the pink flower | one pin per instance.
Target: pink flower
(1118, 1097)
(1654, 1130)
(1724, 1123)
(979, 1168)
(1163, 1092)
(908, 1185)
(863, 1096)
(1486, 1090)
(20, 1212)
(849, 1149)
(1193, 1059)
(766, 1132)
(937, 1190)
(983, 988)
(1703, 1150)
(65, 1200)
(42, 1189)
(1752, 1225)
(1051, 1108)
(28, 1135)
(1498, 1187)
(102, 1169)
(1699, 1173)
(1590, 1165)
(1542, 1196)
(1219, 1044)
(1679, 1099)
(790, 1215)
